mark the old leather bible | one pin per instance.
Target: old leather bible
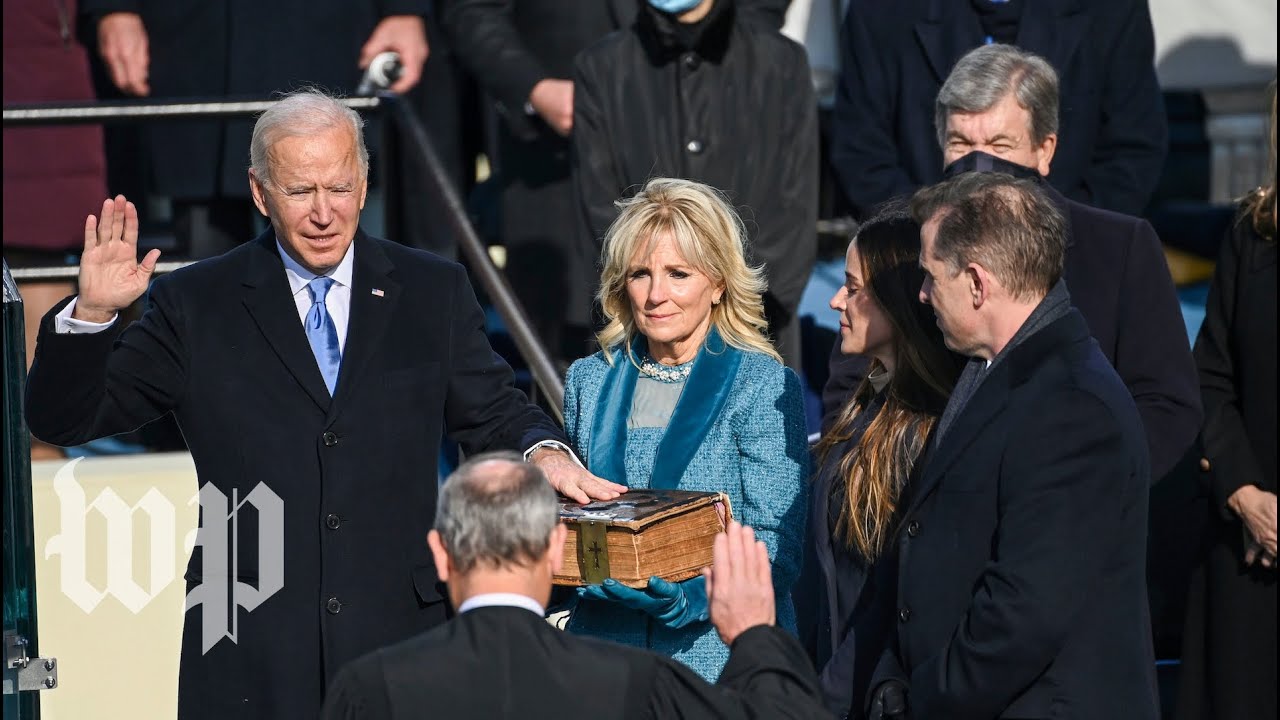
(668, 533)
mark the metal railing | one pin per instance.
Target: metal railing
(545, 376)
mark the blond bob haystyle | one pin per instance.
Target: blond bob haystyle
(710, 236)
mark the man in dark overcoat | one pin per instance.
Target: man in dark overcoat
(312, 371)
(1022, 545)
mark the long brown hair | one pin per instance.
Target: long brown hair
(1260, 205)
(876, 470)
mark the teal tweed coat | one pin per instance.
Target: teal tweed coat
(738, 428)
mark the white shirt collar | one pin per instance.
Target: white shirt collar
(300, 276)
(502, 600)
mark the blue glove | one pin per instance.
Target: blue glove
(673, 604)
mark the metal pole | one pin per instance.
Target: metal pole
(544, 372)
(72, 272)
(94, 112)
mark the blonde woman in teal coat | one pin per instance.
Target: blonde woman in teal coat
(687, 393)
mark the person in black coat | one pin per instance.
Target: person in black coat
(868, 458)
(713, 94)
(314, 364)
(1021, 559)
(1115, 267)
(179, 49)
(497, 542)
(897, 55)
(1229, 652)
(521, 52)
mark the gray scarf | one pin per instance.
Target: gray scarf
(1055, 305)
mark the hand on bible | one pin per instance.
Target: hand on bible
(739, 583)
(571, 480)
(111, 277)
(673, 604)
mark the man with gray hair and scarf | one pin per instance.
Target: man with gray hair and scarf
(1021, 588)
(497, 542)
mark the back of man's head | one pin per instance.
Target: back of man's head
(496, 512)
(985, 75)
(1005, 224)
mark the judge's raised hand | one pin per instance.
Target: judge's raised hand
(111, 277)
(739, 583)
(571, 479)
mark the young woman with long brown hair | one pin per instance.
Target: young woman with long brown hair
(872, 449)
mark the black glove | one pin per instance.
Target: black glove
(888, 701)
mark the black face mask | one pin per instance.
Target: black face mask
(978, 161)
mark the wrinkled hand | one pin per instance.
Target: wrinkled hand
(1257, 510)
(553, 99)
(571, 480)
(403, 34)
(123, 44)
(111, 277)
(739, 583)
(673, 604)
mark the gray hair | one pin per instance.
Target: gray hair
(302, 112)
(1005, 224)
(496, 510)
(985, 75)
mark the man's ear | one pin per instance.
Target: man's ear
(1044, 154)
(443, 568)
(979, 284)
(259, 190)
(555, 547)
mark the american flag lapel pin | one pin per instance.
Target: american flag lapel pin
(378, 292)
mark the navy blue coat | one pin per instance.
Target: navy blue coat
(222, 348)
(1022, 555)
(1120, 282)
(896, 55)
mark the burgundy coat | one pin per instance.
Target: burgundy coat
(55, 176)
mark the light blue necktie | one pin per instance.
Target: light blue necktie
(322, 333)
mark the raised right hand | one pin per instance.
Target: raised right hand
(123, 44)
(739, 583)
(111, 277)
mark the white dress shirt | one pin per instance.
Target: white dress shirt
(502, 600)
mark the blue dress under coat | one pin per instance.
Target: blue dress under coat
(739, 426)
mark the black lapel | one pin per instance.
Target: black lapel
(269, 300)
(987, 402)
(946, 36)
(373, 299)
(1053, 30)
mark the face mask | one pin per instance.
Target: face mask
(978, 161)
(674, 7)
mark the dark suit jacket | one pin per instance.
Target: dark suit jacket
(1119, 281)
(896, 55)
(506, 662)
(221, 347)
(1022, 590)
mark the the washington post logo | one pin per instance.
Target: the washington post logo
(219, 593)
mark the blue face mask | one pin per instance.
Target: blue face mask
(674, 7)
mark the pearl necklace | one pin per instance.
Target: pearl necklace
(666, 373)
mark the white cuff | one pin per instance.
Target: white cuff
(552, 444)
(64, 324)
